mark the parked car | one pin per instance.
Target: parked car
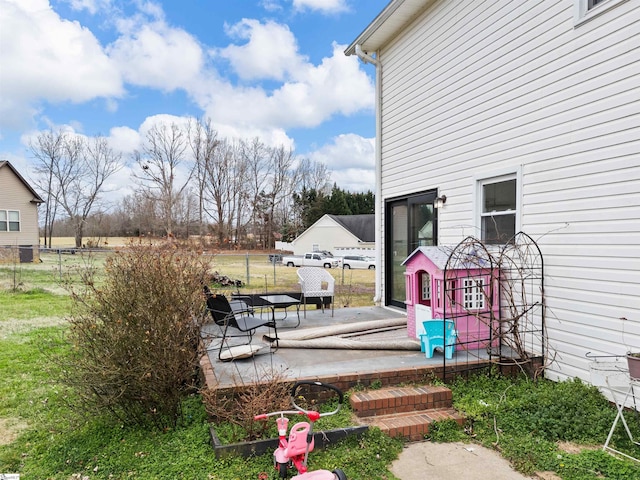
(313, 259)
(275, 258)
(358, 261)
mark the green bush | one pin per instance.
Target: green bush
(135, 336)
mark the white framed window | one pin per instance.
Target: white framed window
(425, 284)
(498, 200)
(473, 293)
(9, 221)
(450, 293)
(585, 10)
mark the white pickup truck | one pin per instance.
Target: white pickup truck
(313, 259)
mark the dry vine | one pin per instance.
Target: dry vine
(516, 283)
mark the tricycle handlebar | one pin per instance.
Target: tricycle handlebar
(294, 391)
(264, 416)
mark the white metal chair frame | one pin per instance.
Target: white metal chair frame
(316, 282)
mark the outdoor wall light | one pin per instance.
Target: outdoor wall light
(439, 201)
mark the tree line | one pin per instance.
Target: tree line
(186, 180)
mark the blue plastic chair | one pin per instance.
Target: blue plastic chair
(438, 335)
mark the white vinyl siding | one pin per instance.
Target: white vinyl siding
(326, 234)
(470, 88)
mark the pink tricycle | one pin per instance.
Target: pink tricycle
(294, 450)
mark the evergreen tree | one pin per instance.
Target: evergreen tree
(338, 203)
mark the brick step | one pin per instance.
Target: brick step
(400, 400)
(414, 425)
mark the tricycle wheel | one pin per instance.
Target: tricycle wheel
(339, 474)
(283, 470)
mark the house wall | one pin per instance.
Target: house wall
(327, 235)
(476, 89)
(15, 196)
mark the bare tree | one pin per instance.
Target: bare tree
(218, 189)
(282, 186)
(308, 176)
(75, 169)
(312, 176)
(160, 163)
(139, 216)
(203, 139)
(255, 156)
(81, 175)
(47, 149)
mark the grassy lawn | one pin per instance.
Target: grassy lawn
(43, 438)
(538, 426)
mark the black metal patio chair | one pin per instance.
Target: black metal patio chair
(237, 314)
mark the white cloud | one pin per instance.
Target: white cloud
(270, 53)
(337, 85)
(124, 140)
(156, 55)
(66, 63)
(271, 5)
(273, 137)
(351, 160)
(46, 58)
(324, 6)
(354, 180)
(311, 96)
(162, 119)
(347, 149)
(91, 6)
(20, 163)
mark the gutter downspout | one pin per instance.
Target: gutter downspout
(366, 58)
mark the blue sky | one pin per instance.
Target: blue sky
(275, 69)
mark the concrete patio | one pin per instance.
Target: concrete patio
(341, 367)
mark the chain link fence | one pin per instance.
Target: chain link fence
(246, 272)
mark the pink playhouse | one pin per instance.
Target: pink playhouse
(470, 297)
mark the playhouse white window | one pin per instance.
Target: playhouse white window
(9, 221)
(408, 280)
(425, 284)
(473, 293)
(450, 294)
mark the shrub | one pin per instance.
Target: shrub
(136, 335)
(233, 409)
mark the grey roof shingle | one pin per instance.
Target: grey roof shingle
(362, 226)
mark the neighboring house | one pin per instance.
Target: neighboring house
(516, 116)
(338, 234)
(19, 234)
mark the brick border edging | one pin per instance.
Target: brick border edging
(386, 378)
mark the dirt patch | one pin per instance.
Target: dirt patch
(10, 428)
(547, 476)
(573, 448)
(566, 447)
(14, 326)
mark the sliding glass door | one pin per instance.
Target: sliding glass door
(411, 222)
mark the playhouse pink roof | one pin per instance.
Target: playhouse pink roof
(438, 255)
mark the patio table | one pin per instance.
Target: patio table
(281, 301)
